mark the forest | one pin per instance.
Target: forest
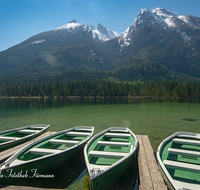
(164, 89)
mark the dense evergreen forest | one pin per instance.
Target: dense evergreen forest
(162, 89)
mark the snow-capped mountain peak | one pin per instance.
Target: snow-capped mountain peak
(99, 33)
(163, 19)
(72, 25)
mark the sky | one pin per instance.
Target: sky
(21, 19)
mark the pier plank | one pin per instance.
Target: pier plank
(144, 175)
(148, 168)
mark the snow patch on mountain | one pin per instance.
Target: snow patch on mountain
(37, 42)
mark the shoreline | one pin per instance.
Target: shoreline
(92, 97)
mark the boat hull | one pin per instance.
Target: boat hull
(43, 168)
(108, 154)
(107, 179)
(26, 165)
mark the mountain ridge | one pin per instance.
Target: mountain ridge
(155, 36)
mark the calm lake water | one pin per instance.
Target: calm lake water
(157, 119)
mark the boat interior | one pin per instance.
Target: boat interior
(110, 147)
(181, 157)
(55, 144)
(18, 134)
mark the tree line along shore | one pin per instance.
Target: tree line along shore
(90, 89)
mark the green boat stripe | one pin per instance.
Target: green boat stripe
(77, 134)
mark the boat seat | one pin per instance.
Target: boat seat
(184, 152)
(111, 143)
(44, 151)
(83, 129)
(119, 130)
(121, 135)
(189, 136)
(107, 154)
(58, 141)
(37, 127)
(9, 138)
(182, 166)
(186, 141)
(78, 134)
(25, 131)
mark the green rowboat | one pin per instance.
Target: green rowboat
(45, 155)
(13, 137)
(179, 160)
(108, 154)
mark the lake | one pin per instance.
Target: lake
(155, 118)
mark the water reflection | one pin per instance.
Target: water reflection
(62, 176)
(13, 104)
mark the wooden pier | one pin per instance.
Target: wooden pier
(149, 174)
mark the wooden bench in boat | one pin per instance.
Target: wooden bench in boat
(78, 134)
(189, 136)
(25, 131)
(35, 127)
(119, 130)
(44, 151)
(111, 143)
(83, 129)
(184, 152)
(58, 141)
(120, 135)
(107, 154)
(181, 166)
(9, 138)
(186, 141)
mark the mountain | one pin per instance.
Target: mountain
(159, 41)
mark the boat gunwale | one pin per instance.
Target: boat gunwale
(158, 155)
(24, 149)
(116, 163)
(22, 138)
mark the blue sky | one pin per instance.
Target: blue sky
(21, 19)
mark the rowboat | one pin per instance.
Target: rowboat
(108, 154)
(46, 154)
(179, 160)
(13, 137)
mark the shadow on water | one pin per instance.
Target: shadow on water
(190, 119)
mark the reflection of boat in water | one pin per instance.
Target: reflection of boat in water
(179, 159)
(70, 172)
(41, 158)
(13, 137)
(108, 154)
